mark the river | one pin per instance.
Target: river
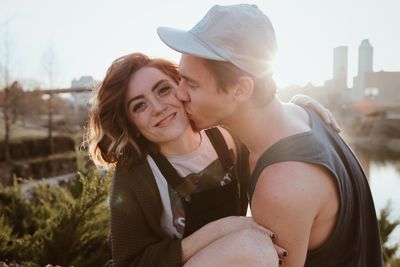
(384, 180)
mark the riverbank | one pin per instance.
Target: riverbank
(376, 136)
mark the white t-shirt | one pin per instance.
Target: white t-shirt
(193, 162)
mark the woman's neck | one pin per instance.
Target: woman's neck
(183, 144)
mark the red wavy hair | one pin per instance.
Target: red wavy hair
(110, 136)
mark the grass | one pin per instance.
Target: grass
(29, 130)
(18, 132)
(65, 155)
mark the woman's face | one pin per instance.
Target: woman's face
(152, 106)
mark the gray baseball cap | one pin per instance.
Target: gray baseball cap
(241, 34)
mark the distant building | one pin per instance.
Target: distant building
(82, 99)
(316, 92)
(365, 65)
(334, 89)
(340, 66)
(84, 81)
(379, 88)
(383, 88)
(365, 57)
(374, 89)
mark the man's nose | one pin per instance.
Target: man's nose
(182, 94)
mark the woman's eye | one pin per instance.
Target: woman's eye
(164, 90)
(138, 107)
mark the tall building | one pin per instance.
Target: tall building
(82, 99)
(84, 81)
(340, 63)
(380, 88)
(365, 57)
(365, 66)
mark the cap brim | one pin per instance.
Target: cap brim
(185, 42)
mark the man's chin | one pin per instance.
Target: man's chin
(194, 126)
(197, 126)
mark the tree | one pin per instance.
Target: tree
(386, 228)
(16, 101)
(6, 74)
(49, 65)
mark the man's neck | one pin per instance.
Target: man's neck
(259, 128)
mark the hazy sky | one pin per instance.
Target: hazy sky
(86, 35)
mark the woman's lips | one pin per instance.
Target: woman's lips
(164, 122)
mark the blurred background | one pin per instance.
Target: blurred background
(344, 53)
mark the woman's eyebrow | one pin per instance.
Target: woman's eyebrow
(133, 99)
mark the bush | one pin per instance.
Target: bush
(56, 225)
(386, 228)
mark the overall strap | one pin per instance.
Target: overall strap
(220, 146)
(167, 170)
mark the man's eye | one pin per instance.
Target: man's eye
(138, 107)
(192, 86)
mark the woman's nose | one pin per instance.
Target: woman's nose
(158, 107)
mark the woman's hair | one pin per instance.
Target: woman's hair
(226, 74)
(110, 136)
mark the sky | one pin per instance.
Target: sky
(84, 37)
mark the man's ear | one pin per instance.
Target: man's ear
(244, 88)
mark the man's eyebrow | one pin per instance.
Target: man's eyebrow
(188, 79)
(154, 87)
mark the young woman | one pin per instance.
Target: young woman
(178, 196)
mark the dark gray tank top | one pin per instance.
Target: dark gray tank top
(354, 241)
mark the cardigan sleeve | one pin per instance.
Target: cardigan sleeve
(133, 242)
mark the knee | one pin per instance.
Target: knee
(255, 248)
(253, 237)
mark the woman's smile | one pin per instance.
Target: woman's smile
(166, 121)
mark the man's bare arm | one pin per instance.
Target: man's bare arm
(288, 199)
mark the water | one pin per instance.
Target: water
(384, 180)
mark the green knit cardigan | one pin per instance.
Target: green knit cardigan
(136, 236)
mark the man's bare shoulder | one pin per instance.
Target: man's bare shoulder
(291, 180)
(287, 199)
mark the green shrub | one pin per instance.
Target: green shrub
(58, 225)
(386, 228)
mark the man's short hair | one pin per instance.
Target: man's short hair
(226, 74)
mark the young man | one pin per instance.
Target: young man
(306, 185)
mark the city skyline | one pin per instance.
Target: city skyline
(86, 37)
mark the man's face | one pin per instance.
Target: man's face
(205, 105)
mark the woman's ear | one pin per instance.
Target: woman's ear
(244, 88)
